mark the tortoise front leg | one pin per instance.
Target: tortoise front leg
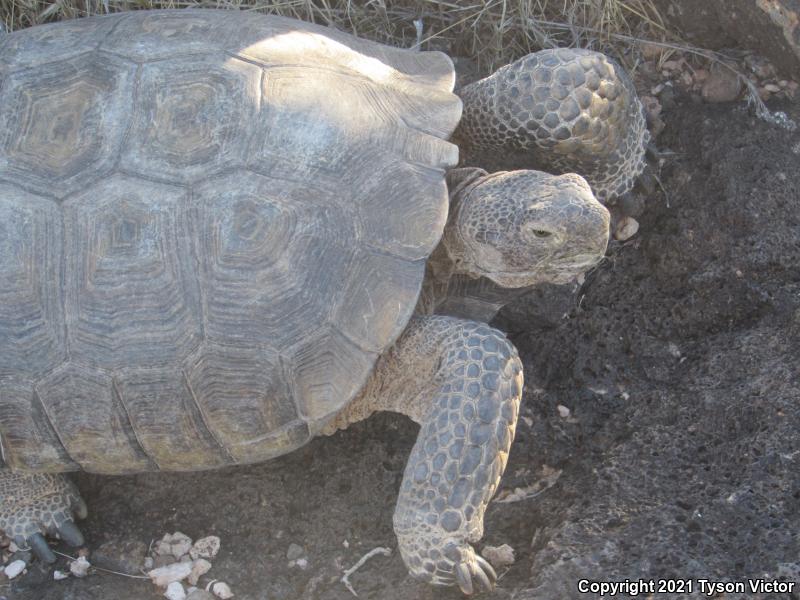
(33, 505)
(460, 454)
(462, 382)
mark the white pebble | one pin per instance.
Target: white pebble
(206, 547)
(163, 576)
(80, 567)
(175, 591)
(499, 556)
(180, 544)
(626, 229)
(221, 590)
(199, 568)
(148, 563)
(302, 563)
(15, 568)
(563, 411)
(59, 575)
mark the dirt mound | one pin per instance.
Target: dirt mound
(681, 372)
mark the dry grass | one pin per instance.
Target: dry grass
(493, 32)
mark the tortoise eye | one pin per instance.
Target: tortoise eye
(541, 233)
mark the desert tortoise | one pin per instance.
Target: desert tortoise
(214, 229)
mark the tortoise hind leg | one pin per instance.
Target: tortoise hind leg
(33, 505)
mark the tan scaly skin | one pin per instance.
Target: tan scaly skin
(571, 110)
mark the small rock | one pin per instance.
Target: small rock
(163, 576)
(722, 85)
(12, 547)
(199, 595)
(148, 563)
(14, 568)
(221, 590)
(175, 591)
(301, 563)
(671, 65)
(499, 556)
(80, 567)
(563, 411)
(771, 87)
(294, 552)
(85, 552)
(199, 568)
(181, 544)
(59, 575)
(626, 229)
(206, 547)
(125, 556)
(700, 75)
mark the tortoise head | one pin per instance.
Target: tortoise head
(522, 228)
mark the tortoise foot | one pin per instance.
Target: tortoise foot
(35, 505)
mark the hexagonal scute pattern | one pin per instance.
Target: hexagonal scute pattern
(177, 303)
(86, 411)
(62, 123)
(167, 420)
(194, 117)
(324, 370)
(131, 291)
(319, 120)
(54, 41)
(393, 219)
(381, 292)
(154, 35)
(245, 401)
(279, 41)
(28, 437)
(31, 315)
(273, 255)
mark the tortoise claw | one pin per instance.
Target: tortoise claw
(70, 533)
(464, 579)
(487, 569)
(40, 548)
(79, 509)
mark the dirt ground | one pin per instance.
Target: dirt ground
(679, 458)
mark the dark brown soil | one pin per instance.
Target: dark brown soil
(681, 456)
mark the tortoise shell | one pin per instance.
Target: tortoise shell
(212, 223)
